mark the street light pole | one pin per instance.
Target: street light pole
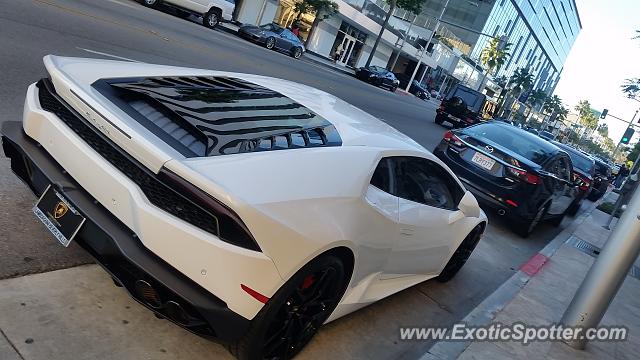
(607, 273)
(415, 71)
(395, 59)
(628, 126)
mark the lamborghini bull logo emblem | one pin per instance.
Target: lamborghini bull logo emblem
(60, 209)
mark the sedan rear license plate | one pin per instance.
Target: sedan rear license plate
(483, 160)
(57, 214)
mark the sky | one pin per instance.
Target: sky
(603, 56)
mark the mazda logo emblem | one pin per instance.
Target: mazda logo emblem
(489, 148)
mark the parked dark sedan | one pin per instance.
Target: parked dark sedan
(526, 178)
(274, 37)
(416, 88)
(584, 168)
(601, 180)
(378, 76)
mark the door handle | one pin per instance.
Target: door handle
(407, 231)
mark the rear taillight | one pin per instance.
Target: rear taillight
(231, 228)
(451, 138)
(440, 109)
(524, 175)
(583, 183)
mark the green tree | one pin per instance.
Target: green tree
(322, 9)
(633, 154)
(603, 130)
(493, 57)
(585, 115)
(520, 81)
(537, 97)
(414, 6)
(501, 80)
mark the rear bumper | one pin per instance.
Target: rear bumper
(119, 250)
(495, 197)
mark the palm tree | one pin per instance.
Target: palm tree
(414, 6)
(322, 9)
(520, 81)
(537, 97)
(493, 56)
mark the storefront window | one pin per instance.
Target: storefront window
(288, 17)
(348, 45)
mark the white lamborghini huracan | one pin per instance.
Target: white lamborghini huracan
(244, 208)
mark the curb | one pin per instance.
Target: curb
(310, 59)
(486, 311)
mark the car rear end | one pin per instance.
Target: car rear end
(178, 250)
(461, 108)
(499, 177)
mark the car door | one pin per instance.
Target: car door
(428, 216)
(381, 229)
(284, 40)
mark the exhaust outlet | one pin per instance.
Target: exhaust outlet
(177, 313)
(148, 294)
(501, 212)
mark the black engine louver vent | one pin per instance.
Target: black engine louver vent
(208, 116)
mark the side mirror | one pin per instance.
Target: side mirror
(469, 205)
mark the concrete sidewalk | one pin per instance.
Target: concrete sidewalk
(548, 283)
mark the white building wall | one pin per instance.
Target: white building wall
(323, 36)
(250, 10)
(381, 57)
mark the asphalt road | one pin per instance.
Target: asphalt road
(124, 29)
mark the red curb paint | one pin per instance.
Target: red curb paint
(534, 264)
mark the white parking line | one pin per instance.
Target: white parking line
(109, 55)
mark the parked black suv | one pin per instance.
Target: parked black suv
(584, 167)
(464, 106)
(528, 179)
(601, 180)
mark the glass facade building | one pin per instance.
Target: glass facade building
(541, 33)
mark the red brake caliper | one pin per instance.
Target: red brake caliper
(308, 281)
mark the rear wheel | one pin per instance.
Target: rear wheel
(211, 19)
(296, 53)
(393, 88)
(295, 313)
(460, 257)
(524, 228)
(438, 120)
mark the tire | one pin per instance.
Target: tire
(211, 19)
(460, 257)
(150, 3)
(556, 221)
(524, 228)
(296, 52)
(327, 275)
(572, 210)
(438, 120)
(393, 89)
(270, 43)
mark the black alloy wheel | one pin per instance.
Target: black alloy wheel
(462, 254)
(295, 313)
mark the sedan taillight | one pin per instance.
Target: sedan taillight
(524, 175)
(451, 138)
(582, 181)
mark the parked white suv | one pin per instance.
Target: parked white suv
(212, 11)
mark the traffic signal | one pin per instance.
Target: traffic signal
(604, 113)
(627, 136)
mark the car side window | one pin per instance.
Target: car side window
(425, 182)
(382, 176)
(561, 168)
(288, 34)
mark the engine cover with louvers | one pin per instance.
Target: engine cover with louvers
(208, 116)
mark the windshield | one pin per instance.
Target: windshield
(516, 140)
